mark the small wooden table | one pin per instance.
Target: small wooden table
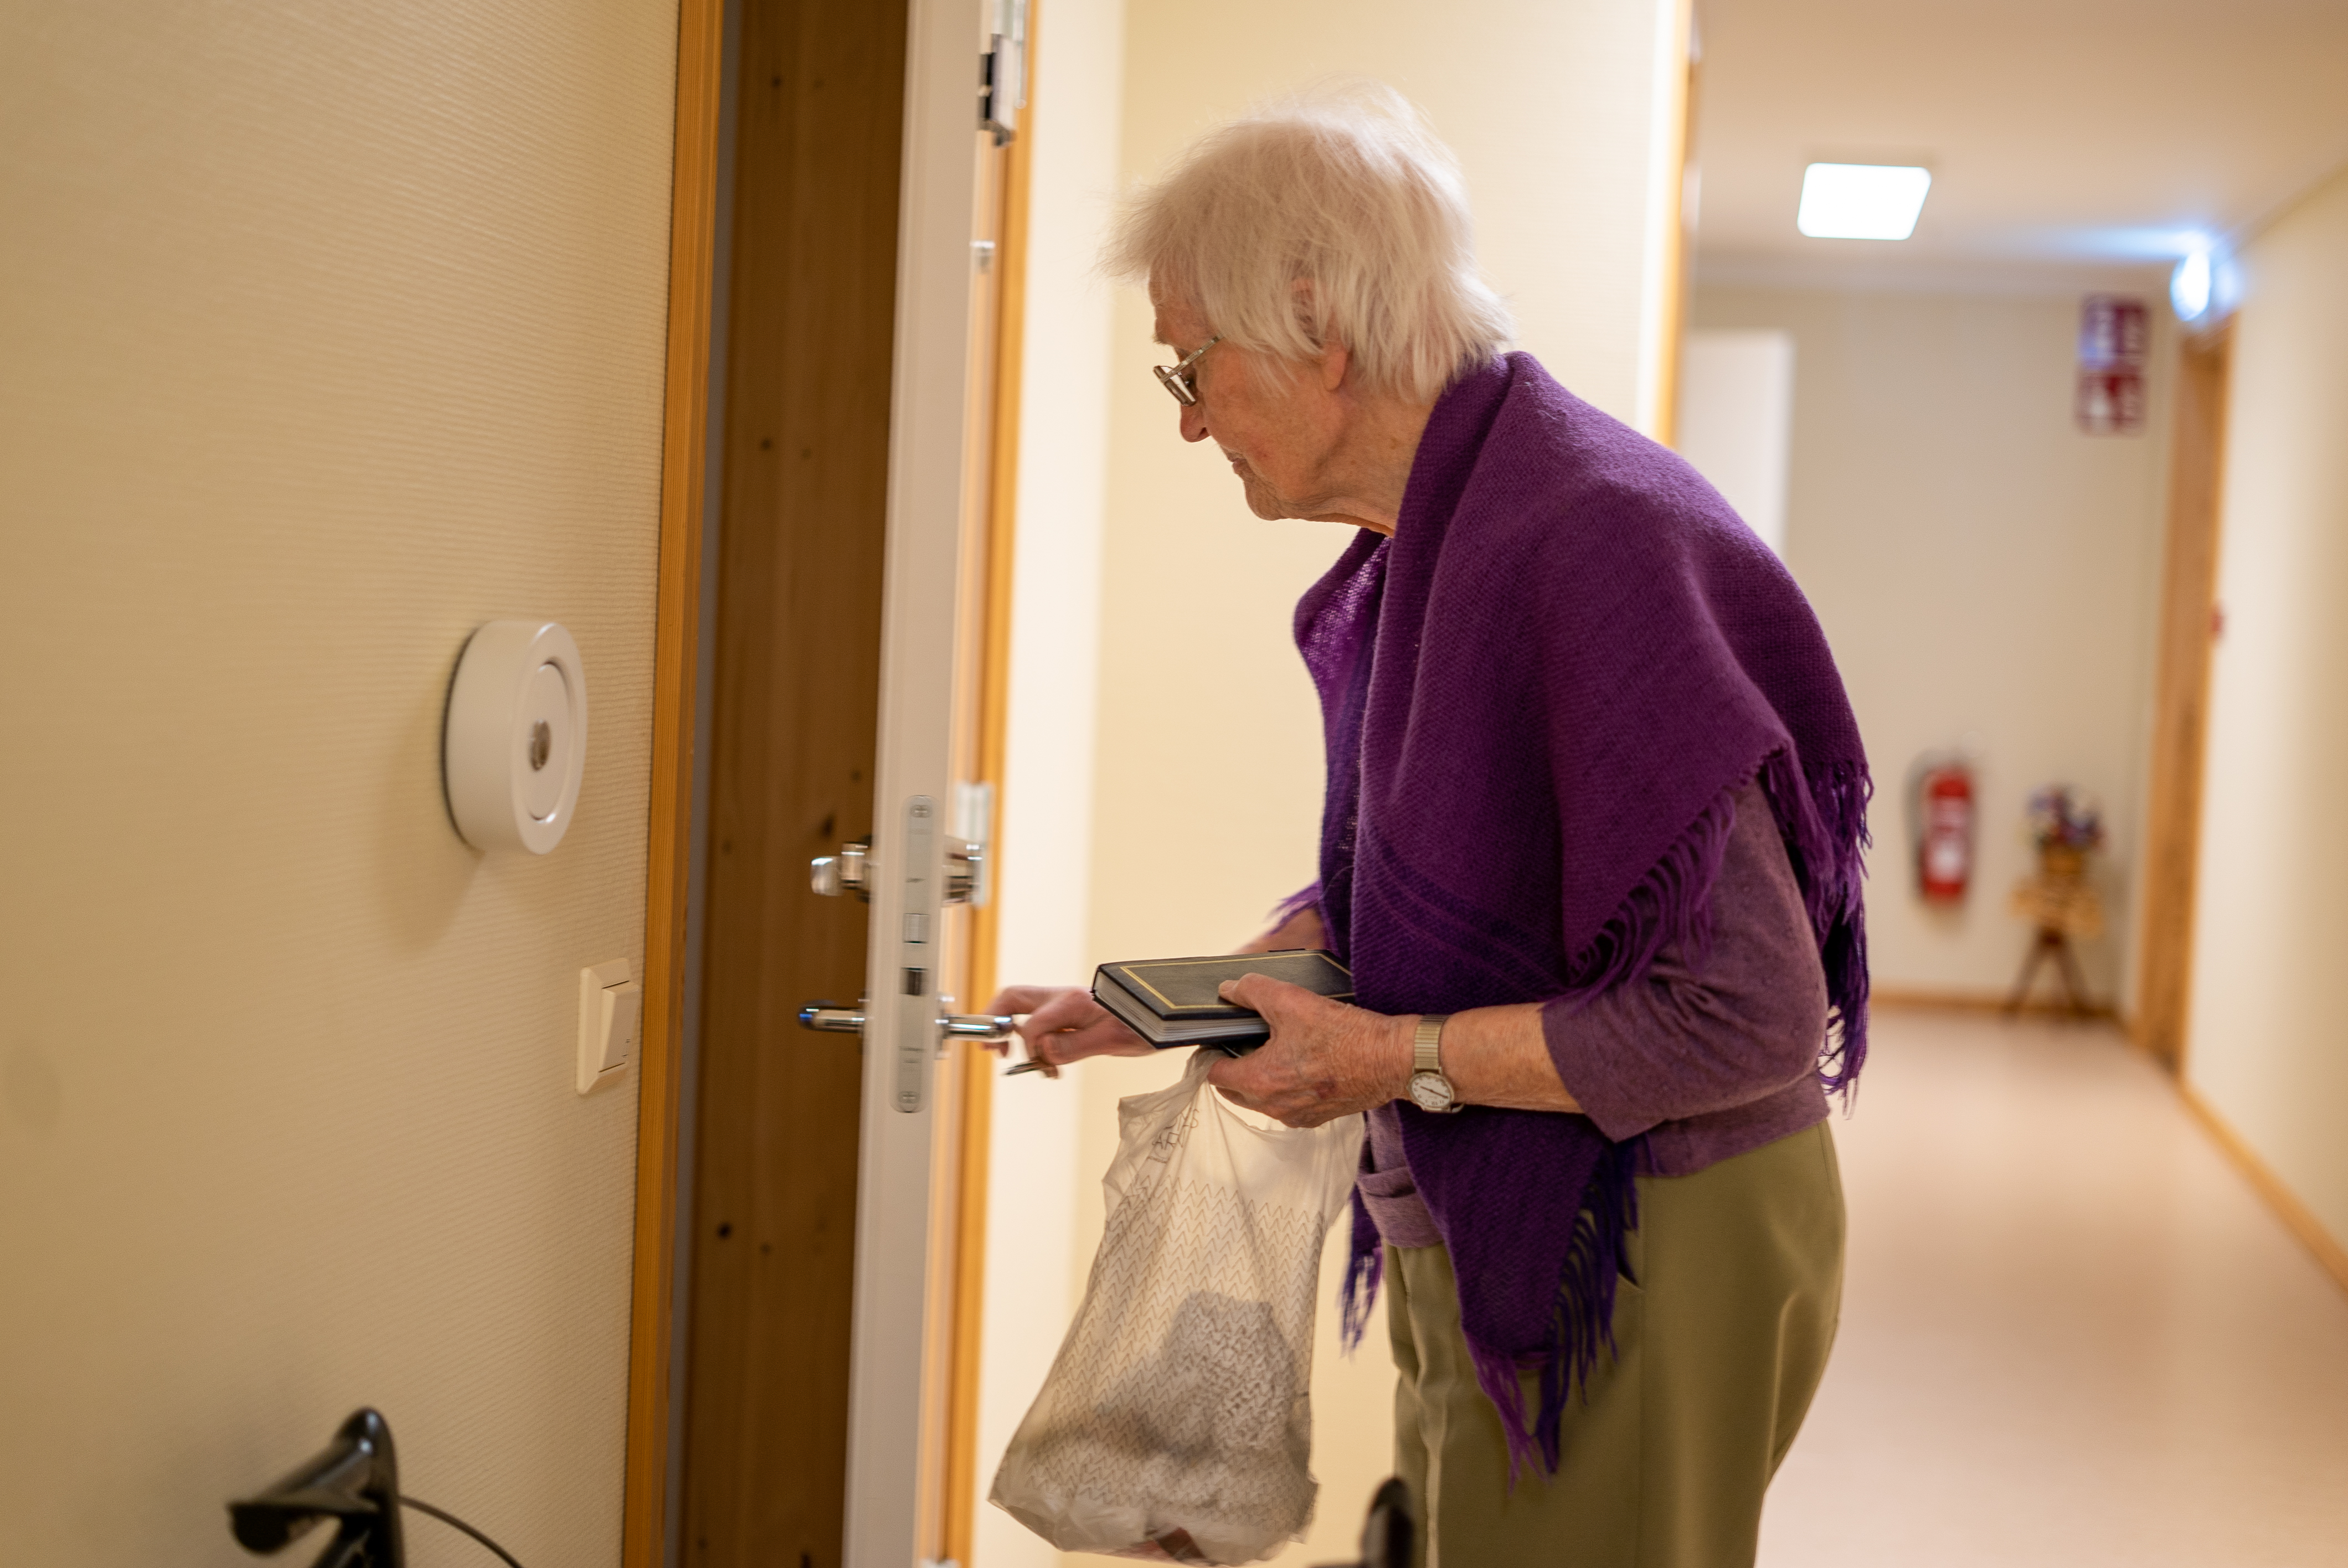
(2061, 903)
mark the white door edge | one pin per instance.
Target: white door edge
(928, 415)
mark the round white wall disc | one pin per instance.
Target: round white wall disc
(515, 742)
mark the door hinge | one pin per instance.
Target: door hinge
(1002, 72)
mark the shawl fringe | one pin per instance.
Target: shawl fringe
(1671, 907)
(1597, 1258)
(1545, 1319)
(1822, 814)
(1293, 906)
(1583, 1323)
(1823, 819)
(1365, 1270)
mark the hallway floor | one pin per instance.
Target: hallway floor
(2072, 1334)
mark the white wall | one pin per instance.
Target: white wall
(1986, 575)
(1736, 421)
(331, 331)
(1560, 113)
(2268, 1043)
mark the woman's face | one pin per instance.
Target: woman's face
(1277, 424)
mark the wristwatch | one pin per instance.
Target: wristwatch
(1429, 1089)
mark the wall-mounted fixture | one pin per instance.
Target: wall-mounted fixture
(2206, 285)
(2114, 349)
(353, 1481)
(515, 741)
(1002, 72)
(2188, 286)
(610, 1022)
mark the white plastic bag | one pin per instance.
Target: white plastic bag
(1176, 1424)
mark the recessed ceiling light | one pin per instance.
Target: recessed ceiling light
(1861, 201)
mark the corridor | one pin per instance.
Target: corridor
(2072, 1332)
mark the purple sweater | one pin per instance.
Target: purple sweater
(1708, 1061)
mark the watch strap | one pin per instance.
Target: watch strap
(1427, 1043)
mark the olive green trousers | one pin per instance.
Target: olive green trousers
(1668, 1450)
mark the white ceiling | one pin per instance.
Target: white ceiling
(2067, 138)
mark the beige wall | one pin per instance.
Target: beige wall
(1986, 574)
(330, 333)
(2268, 1046)
(1203, 762)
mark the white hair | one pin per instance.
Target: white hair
(1333, 216)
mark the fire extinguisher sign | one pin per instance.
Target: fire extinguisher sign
(2115, 341)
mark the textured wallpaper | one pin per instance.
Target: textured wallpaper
(327, 332)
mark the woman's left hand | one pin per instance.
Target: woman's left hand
(1324, 1059)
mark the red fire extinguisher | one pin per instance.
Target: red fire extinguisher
(1944, 845)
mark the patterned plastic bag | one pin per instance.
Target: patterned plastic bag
(1176, 1424)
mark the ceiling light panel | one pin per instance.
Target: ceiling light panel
(1861, 201)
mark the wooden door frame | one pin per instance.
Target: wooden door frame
(976, 1066)
(2188, 606)
(676, 642)
(1660, 418)
(684, 470)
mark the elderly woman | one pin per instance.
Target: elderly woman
(1590, 847)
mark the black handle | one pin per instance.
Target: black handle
(352, 1480)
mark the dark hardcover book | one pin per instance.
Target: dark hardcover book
(1177, 1002)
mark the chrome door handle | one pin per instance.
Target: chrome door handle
(849, 871)
(826, 1018)
(832, 875)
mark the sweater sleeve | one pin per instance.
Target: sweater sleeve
(1690, 1039)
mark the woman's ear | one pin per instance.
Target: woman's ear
(1332, 359)
(1328, 361)
(1336, 359)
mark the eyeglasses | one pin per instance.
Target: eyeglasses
(1182, 381)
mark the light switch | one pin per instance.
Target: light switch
(610, 1022)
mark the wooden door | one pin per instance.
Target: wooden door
(819, 97)
(854, 530)
(2189, 630)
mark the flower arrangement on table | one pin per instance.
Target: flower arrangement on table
(2068, 828)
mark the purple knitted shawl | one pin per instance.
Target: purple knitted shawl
(1539, 698)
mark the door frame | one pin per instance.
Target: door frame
(900, 1347)
(2188, 637)
(906, 1394)
(975, 1067)
(693, 239)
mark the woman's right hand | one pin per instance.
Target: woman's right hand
(1064, 1024)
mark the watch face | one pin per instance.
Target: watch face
(1430, 1091)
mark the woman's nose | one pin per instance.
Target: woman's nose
(1194, 423)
